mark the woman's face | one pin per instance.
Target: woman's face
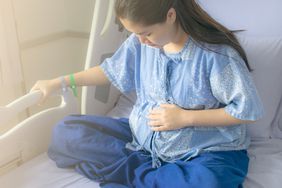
(156, 35)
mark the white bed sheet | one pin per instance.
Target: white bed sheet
(265, 168)
(41, 172)
(265, 171)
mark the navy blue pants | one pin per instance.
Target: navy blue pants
(95, 147)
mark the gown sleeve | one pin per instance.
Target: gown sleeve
(232, 85)
(120, 68)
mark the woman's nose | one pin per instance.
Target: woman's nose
(143, 40)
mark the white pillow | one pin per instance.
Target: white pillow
(265, 57)
(262, 42)
(276, 125)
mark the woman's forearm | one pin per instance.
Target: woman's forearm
(210, 118)
(93, 76)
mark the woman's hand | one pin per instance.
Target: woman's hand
(47, 87)
(167, 117)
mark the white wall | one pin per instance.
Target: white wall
(50, 39)
(53, 38)
(11, 80)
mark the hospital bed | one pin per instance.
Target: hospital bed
(23, 159)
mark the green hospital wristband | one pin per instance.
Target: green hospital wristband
(73, 85)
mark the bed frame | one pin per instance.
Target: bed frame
(31, 137)
(263, 36)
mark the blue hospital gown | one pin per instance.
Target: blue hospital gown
(121, 153)
(199, 77)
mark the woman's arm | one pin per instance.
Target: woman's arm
(171, 117)
(210, 117)
(93, 76)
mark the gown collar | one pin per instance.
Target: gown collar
(185, 54)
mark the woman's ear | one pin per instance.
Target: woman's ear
(171, 16)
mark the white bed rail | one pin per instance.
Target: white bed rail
(105, 38)
(31, 136)
(11, 110)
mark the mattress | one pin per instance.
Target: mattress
(265, 167)
(265, 170)
(42, 172)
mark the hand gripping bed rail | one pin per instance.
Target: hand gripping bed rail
(31, 136)
(11, 110)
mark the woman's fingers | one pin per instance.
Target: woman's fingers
(160, 128)
(156, 111)
(33, 88)
(39, 85)
(154, 123)
(42, 98)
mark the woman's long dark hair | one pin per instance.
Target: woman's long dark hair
(192, 18)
